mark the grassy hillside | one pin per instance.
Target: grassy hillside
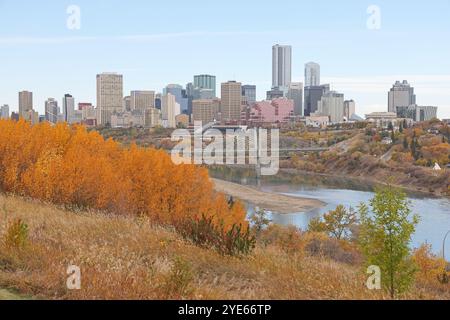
(129, 258)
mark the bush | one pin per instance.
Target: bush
(16, 236)
(177, 284)
(204, 232)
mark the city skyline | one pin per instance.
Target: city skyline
(357, 61)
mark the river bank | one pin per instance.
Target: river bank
(267, 200)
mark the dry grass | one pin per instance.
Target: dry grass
(129, 258)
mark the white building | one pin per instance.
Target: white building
(312, 74)
(332, 105)
(281, 67)
(169, 110)
(127, 119)
(349, 109)
(4, 111)
(400, 95)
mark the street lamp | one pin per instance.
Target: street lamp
(443, 244)
(444, 278)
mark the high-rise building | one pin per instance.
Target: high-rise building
(68, 106)
(281, 67)
(4, 111)
(180, 95)
(231, 101)
(349, 108)
(401, 95)
(51, 111)
(249, 94)
(142, 100)
(25, 102)
(312, 74)
(152, 117)
(332, 105)
(205, 110)
(109, 96)
(205, 81)
(295, 93)
(126, 103)
(170, 108)
(417, 113)
(313, 96)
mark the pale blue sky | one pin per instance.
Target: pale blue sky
(155, 43)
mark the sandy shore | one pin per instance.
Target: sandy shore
(266, 200)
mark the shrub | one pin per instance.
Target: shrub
(177, 284)
(16, 236)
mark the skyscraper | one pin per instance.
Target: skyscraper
(312, 74)
(231, 101)
(169, 110)
(281, 67)
(249, 94)
(332, 105)
(180, 95)
(4, 111)
(51, 111)
(205, 81)
(142, 100)
(205, 110)
(68, 105)
(313, 96)
(400, 95)
(349, 108)
(295, 93)
(25, 102)
(109, 96)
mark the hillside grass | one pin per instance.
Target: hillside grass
(130, 258)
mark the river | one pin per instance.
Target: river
(434, 212)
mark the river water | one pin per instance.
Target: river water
(434, 212)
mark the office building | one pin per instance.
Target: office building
(276, 111)
(4, 111)
(109, 96)
(313, 96)
(170, 108)
(281, 67)
(180, 95)
(332, 105)
(401, 95)
(126, 103)
(52, 111)
(205, 81)
(349, 109)
(295, 93)
(68, 108)
(249, 94)
(312, 74)
(142, 100)
(25, 102)
(152, 117)
(231, 101)
(205, 110)
(417, 113)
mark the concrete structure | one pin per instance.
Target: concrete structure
(275, 93)
(32, 117)
(312, 74)
(169, 110)
(127, 103)
(142, 100)
(127, 119)
(277, 111)
(231, 101)
(25, 102)
(51, 111)
(109, 96)
(249, 94)
(383, 119)
(180, 95)
(349, 109)
(281, 67)
(295, 93)
(312, 97)
(400, 95)
(205, 81)
(205, 110)
(4, 111)
(417, 113)
(152, 117)
(68, 108)
(332, 105)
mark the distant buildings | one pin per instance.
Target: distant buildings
(205, 110)
(349, 109)
(142, 100)
(313, 95)
(68, 106)
(25, 102)
(384, 119)
(312, 74)
(417, 113)
(152, 118)
(180, 95)
(127, 119)
(4, 111)
(169, 110)
(295, 93)
(205, 81)
(400, 95)
(231, 101)
(281, 67)
(332, 105)
(277, 111)
(275, 93)
(109, 96)
(52, 111)
(249, 94)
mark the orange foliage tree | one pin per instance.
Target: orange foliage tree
(71, 166)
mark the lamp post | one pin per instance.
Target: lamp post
(444, 278)
(443, 243)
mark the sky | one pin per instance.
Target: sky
(156, 43)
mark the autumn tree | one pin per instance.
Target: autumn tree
(336, 223)
(385, 237)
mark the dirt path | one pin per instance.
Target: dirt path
(268, 201)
